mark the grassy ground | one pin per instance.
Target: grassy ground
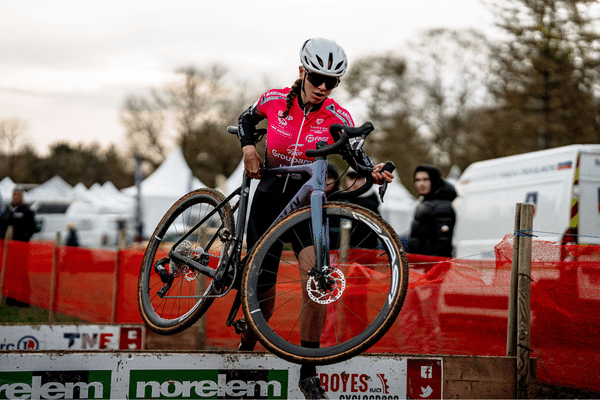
(32, 315)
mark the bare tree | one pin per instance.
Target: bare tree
(13, 133)
(197, 105)
(379, 82)
(448, 70)
(194, 96)
(144, 120)
(547, 73)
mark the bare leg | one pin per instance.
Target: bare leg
(313, 318)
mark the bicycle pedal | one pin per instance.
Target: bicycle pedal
(240, 326)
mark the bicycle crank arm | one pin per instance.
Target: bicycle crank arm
(239, 324)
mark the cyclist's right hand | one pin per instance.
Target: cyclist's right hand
(252, 162)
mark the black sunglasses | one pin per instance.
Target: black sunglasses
(317, 80)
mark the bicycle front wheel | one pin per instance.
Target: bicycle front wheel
(299, 320)
(172, 295)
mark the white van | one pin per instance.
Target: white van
(562, 183)
(50, 217)
(98, 225)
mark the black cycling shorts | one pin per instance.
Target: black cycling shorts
(266, 207)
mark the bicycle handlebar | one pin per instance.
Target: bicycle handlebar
(366, 172)
(341, 134)
(258, 133)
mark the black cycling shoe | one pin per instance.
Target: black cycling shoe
(312, 389)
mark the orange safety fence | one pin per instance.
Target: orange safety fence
(453, 306)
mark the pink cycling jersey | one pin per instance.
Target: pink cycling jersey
(289, 138)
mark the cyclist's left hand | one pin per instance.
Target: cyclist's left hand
(381, 176)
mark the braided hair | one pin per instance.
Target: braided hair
(295, 91)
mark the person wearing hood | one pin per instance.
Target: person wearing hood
(434, 218)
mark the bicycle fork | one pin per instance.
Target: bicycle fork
(320, 230)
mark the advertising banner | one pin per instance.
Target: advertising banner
(201, 375)
(72, 337)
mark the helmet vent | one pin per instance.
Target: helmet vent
(320, 61)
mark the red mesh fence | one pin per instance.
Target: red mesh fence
(453, 306)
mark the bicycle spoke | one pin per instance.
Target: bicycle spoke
(357, 300)
(173, 301)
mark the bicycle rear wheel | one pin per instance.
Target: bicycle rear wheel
(172, 295)
(369, 275)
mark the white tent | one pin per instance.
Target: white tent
(159, 191)
(235, 180)
(53, 190)
(80, 192)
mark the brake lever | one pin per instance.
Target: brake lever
(382, 190)
(389, 167)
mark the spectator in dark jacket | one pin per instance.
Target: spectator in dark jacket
(434, 218)
(72, 240)
(18, 215)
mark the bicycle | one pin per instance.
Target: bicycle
(195, 256)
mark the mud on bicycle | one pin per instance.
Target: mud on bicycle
(196, 256)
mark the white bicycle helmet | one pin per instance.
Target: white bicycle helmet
(323, 56)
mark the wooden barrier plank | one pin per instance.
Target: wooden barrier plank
(470, 377)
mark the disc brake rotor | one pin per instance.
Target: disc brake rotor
(338, 286)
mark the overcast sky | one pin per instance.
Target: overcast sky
(67, 65)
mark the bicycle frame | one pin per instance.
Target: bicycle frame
(312, 192)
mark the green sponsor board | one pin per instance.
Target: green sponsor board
(36, 385)
(208, 384)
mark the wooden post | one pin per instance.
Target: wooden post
(511, 331)
(7, 238)
(524, 302)
(120, 245)
(53, 279)
(201, 324)
(345, 226)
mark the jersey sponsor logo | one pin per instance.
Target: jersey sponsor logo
(289, 117)
(320, 121)
(272, 96)
(288, 159)
(310, 138)
(283, 121)
(341, 114)
(294, 149)
(198, 384)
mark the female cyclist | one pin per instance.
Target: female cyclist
(298, 118)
